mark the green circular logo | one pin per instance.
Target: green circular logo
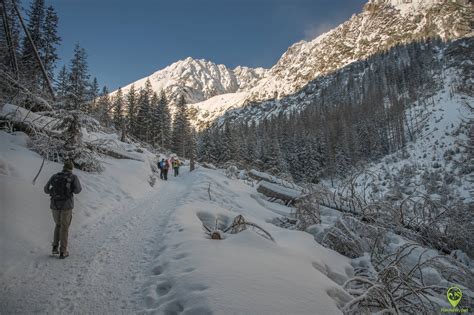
(454, 295)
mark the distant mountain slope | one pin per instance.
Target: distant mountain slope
(379, 27)
(349, 84)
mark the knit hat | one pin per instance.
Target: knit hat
(68, 165)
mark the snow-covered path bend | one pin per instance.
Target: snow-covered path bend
(109, 263)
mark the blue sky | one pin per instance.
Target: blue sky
(127, 40)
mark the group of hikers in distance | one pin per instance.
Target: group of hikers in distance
(164, 166)
(62, 186)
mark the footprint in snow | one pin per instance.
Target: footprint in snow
(188, 270)
(173, 307)
(157, 270)
(163, 288)
(180, 256)
(198, 287)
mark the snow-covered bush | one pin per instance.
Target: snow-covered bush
(88, 161)
(351, 237)
(406, 281)
(73, 147)
(307, 211)
(232, 172)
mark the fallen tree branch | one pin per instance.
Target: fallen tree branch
(239, 224)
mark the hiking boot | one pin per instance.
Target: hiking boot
(55, 250)
(63, 255)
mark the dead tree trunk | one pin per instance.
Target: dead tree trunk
(38, 59)
(288, 196)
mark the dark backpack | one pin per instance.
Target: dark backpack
(61, 186)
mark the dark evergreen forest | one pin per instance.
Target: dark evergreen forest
(352, 116)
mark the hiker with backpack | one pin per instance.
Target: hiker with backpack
(160, 166)
(176, 164)
(61, 187)
(166, 166)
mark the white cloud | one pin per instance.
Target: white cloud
(314, 30)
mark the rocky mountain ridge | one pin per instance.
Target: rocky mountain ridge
(381, 25)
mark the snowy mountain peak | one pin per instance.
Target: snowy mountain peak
(199, 79)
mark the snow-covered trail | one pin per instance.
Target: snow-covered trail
(109, 263)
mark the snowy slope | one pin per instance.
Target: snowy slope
(212, 108)
(437, 162)
(136, 248)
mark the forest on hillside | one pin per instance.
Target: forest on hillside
(343, 120)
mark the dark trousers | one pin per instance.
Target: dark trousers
(62, 219)
(176, 171)
(161, 173)
(165, 174)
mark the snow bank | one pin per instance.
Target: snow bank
(244, 273)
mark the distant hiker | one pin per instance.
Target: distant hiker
(166, 166)
(61, 187)
(176, 164)
(160, 166)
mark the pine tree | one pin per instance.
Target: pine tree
(62, 82)
(51, 40)
(94, 93)
(163, 135)
(6, 58)
(251, 155)
(118, 109)
(102, 111)
(143, 112)
(132, 111)
(181, 129)
(79, 86)
(154, 119)
(143, 116)
(31, 70)
(193, 150)
(206, 146)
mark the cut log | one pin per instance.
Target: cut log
(208, 165)
(216, 235)
(113, 153)
(287, 195)
(261, 176)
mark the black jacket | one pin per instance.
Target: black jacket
(67, 204)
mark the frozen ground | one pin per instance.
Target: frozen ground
(141, 249)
